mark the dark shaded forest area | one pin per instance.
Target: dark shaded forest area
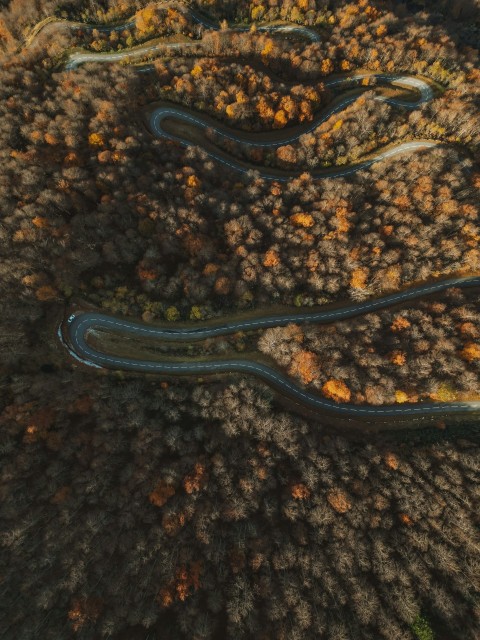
(135, 507)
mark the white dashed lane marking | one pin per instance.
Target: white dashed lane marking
(78, 326)
(76, 59)
(180, 113)
(81, 324)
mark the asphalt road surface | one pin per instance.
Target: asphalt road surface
(77, 58)
(280, 138)
(79, 324)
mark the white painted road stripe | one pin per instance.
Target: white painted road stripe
(76, 59)
(79, 324)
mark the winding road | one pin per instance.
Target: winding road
(79, 324)
(77, 58)
(273, 139)
(422, 88)
(77, 327)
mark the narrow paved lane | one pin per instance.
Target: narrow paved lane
(79, 324)
(421, 87)
(80, 57)
(274, 139)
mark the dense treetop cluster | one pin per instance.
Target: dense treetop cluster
(213, 509)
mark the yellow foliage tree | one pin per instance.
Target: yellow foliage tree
(312, 94)
(258, 12)
(444, 393)
(359, 277)
(193, 182)
(172, 314)
(196, 313)
(336, 390)
(327, 66)
(268, 48)
(280, 119)
(146, 20)
(470, 352)
(302, 220)
(230, 110)
(241, 97)
(95, 139)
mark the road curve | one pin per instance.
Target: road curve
(275, 139)
(207, 23)
(77, 58)
(279, 138)
(78, 325)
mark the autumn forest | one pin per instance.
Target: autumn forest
(240, 320)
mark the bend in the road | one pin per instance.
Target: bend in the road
(279, 138)
(78, 58)
(78, 326)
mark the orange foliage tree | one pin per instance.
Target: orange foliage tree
(398, 358)
(470, 352)
(195, 480)
(287, 154)
(84, 610)
(185, 582)
(304, 365)
(45, 293)
(391, 460)
(300, 491)
(336, 390)
(399, 324)
(339, 500)
(271, 259)
(162, 492)
(302, 220)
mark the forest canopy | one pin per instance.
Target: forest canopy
(147, 506)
